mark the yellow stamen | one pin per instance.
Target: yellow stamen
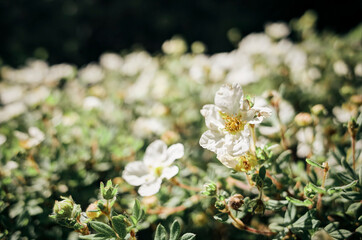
(233, 124)
(158, 171)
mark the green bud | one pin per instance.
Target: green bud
(353, 127)
(220, 205)
(210, 189)
(309, 192)
(318, 110)
(109, 191)
(66, 208)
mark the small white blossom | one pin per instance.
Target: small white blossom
(155, 166)
(228, 120)
(34, 138)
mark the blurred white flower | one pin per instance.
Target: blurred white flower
(92, 102)
(358, 69)
(340, 68)
(11, 110)
(277, 30)
(34, 137)
(111, 61)
(176, 45)
(228, 121)
(10, 94)
(145, 127)
(2, 139)
(344, 113)
(309, 143)
(156, 165)
(36, 96)
(58, 72)
(91, 74)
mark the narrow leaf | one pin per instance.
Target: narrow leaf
(299, 203)
(341, 188)
(188, 236)
(221, 217)
(102, 228)
(313, 163)
(161, 233)
(340, 234)
(137, 211)
(262, 172)
(307, 221)
(175, 230)
(290, 214)
(316, 188)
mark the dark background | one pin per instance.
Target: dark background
(78, 31)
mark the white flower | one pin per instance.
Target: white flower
(34, 138)
(156, 165)
(277, 30)
(228, 122)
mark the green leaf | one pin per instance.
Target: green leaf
(359, 229)
(354, 196)
(284, 156)
(316, 188)
(188, 236)
(332, 227)
(221, 217)
(262, 172)
(133, 220)
(94, 237)
(275, 205)
(290, 214)
(360, 176)
(307, 221)
(313, 163)
(299, 203)
(349, 169)
(161, 233)
(337, 189)
(340, 234)
(137, 211)
(103, 229)
(354, 210)
(120, 226)
(175, 230)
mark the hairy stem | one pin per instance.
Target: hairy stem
(320, 195)
(184, 186)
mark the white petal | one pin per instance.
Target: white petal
(150, 188)
(228, 98)
(227, 160)
(155, 153)
(175, 151)
(135, 173)
(169, 172)
(212, 140)
(236, 145)
(212, 116)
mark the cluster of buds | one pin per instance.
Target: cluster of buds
(210, 189)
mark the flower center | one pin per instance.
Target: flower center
(158, 171)
(246, 162)
(233, 124)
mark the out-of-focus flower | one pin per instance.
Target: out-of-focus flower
(340, 68)
(358, 69)
(91, 74)
(198, 47)
(36, 96)
(91, 102)
(11, 110)
(344, 113)
(228, 121)
(156, 165)
(309, 142)
(2, 139)
(111, 61)
(174, 46)
(32, 139)
(303, 119)
(9, 94)
(277, 30)
(144, 127)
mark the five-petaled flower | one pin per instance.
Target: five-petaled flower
(155, 166)
(228, 121)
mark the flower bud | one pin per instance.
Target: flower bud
(109, 191)
(318, 110)
(260, 207)
(303, 119)
(66, 208)
(220, 205)
(210, 189)
(236, 201)
(352, 127)
(356, 99)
